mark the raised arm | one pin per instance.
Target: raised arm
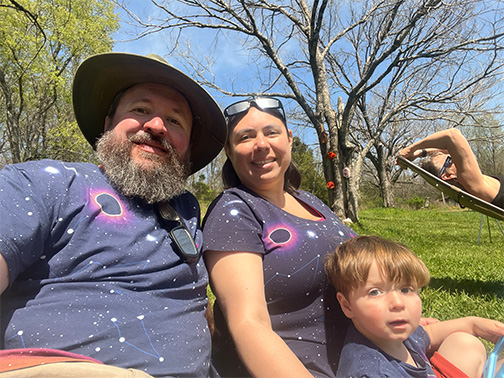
(452, 142)
(4, 274)
(237, 281)
(490, 330)
(445, 141)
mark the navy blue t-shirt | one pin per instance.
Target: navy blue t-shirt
(360, 358)
(95, 273)
(301, 302)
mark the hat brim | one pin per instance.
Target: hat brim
(101, 77)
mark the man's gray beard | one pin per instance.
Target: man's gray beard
(164, 177)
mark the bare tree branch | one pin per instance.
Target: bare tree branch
(368, 76)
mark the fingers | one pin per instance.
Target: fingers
(427, 321)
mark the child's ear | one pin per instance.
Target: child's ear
(345, 305)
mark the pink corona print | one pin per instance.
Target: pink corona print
(109, 205)
(281, 235)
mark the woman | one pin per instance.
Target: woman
(264, 247)
(450, 157)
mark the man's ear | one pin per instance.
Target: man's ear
(345, 305)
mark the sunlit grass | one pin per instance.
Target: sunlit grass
(467, 278)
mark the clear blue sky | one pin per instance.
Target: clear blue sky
(158, 43)
(232, 64)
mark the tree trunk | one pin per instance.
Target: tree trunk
(386, 188)
(387, 193)
(353, 199)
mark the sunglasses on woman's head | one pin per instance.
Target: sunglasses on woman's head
(261, 103)
(446, 164)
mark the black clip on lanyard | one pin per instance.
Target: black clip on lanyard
(179, 234)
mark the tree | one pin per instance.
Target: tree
(202, 190)
(353, 68)
(207, 184)
(486, 137)
(311, 171)
(42, 43)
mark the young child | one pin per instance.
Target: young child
(377, 283)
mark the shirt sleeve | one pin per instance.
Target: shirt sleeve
(232, 225)
(25, 220)
(421, 338)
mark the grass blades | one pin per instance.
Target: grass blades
(466, 278)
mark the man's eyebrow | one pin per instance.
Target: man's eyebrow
(140, 100)
(176, 109)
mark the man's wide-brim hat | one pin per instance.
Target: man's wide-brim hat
(101, 77)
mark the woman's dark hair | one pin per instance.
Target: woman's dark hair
(427, 163)
(292, 177)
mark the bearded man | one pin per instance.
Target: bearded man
(100, 272)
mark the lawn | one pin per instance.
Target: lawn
(466, 278)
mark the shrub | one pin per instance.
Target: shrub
(416, 202)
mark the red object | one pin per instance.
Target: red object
(444, 368)
(13, 359)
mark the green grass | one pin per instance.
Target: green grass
(466, 278)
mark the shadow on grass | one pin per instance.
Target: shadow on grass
(469, 287)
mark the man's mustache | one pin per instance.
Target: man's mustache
(144, 137)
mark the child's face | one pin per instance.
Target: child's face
(383, 311)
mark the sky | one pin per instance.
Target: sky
(158, 43)
(232, 64)
(142, 8)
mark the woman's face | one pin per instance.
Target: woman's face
(260, 150)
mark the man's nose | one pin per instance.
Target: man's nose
(155, 126)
